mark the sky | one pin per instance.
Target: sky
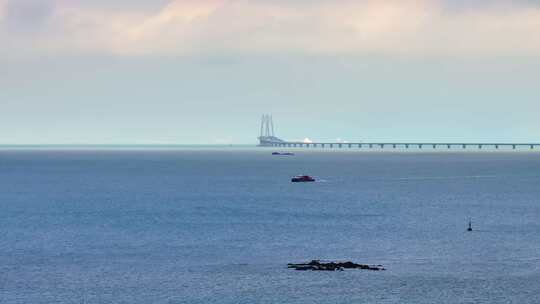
(204, 71)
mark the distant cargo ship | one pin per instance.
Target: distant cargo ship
(282, 153)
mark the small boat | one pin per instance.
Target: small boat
(282, 153)
(302, 179)
(470, 226)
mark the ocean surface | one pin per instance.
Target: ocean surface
(220, 225)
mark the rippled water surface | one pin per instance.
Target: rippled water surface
(219, 226)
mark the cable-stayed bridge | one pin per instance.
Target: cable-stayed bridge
(267, 138)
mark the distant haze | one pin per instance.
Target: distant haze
(204, 71)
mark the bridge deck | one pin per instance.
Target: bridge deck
(396, 145)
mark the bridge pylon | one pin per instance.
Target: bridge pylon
(267, 137)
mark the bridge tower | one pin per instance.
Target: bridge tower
(267, 135)
(267, 126)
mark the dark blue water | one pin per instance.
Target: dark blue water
(210, 226)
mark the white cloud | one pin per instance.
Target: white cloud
(404, 27)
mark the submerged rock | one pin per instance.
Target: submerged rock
(333, 266)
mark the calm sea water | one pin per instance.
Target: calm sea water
(219, 226)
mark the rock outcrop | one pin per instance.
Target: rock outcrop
(333, 266)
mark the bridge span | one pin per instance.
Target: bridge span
(401, 145)
(267, 138)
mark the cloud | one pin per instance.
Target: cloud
(400, 27)
(26, 15)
